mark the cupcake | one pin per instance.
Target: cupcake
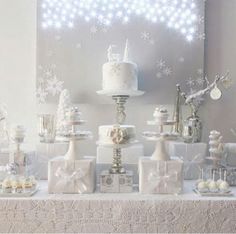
(33, 182)
(6, 186)
(16, 186)
(27, 185)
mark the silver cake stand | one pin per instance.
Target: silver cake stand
(154, 136)
(120, 97)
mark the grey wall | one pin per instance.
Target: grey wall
(18, 62)
(81, 71)
(220, 53)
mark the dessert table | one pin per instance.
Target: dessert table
(118, 213)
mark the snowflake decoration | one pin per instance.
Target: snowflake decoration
(190, 82)
(161, 64)
(167, 71)
(163, 69)
(54, 86)
(200, 71)
(47, 83)
(201, 36)
(145, 36)
(40, 80)
(93, 30)
(181, 15)
(200, 81)
(115, 69)
(48, 73)
(200, 19)
(41, 95)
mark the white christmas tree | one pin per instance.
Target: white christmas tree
(64, 104)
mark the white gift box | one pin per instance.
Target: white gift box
(66, 176)
(193, 156)
(116, 183)
(230, 151)
(160, 177)
(38, 162)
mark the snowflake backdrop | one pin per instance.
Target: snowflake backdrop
(166, 38)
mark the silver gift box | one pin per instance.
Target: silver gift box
(116, 183)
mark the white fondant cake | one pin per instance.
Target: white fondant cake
(116, 134)
(120, 76)
(73, 115)
(161, 115)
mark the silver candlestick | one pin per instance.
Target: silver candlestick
(117, 167)
(120, 108)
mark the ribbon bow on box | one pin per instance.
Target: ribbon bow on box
(188, 165)
(67, 177)
(156, 180)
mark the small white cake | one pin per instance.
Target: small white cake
(73, 115)
(119, 76)
(161, 115)
(116, 134)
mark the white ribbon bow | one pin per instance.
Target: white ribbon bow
(189, 163)
(155, 179)
(67, 177)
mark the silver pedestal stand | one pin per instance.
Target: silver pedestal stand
(117, 172)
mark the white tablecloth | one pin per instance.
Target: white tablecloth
(117, 213)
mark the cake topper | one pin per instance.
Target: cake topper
(111, 56)
(127, 56)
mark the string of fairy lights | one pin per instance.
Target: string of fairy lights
(180, 15)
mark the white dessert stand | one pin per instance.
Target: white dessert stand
(73, 136)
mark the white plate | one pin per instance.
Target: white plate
(130, 93)
(209, 194)
(155, 123)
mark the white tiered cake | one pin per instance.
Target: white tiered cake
(120, 77)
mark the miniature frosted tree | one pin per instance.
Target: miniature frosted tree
(64, 104)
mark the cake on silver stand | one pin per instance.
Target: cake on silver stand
(120, 81)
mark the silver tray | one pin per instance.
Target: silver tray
(28, 194)
(218, 194)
